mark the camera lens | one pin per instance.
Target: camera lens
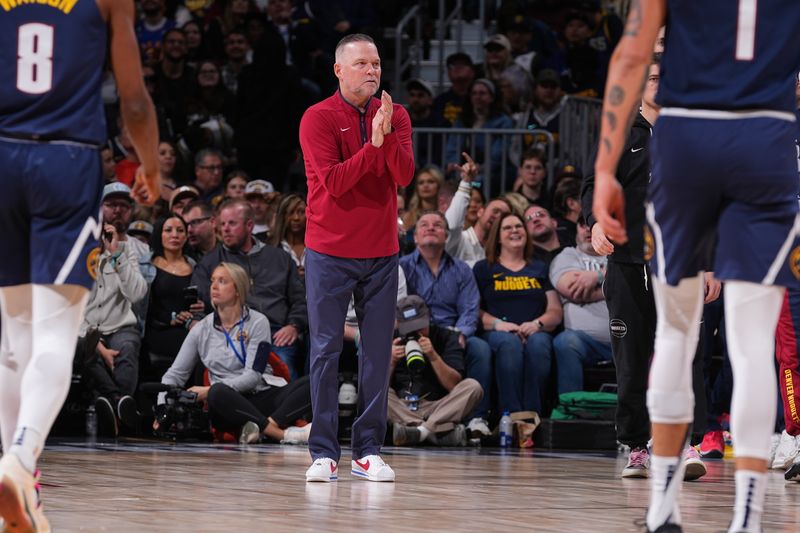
(415, 361)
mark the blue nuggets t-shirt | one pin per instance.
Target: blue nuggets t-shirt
(513, 296)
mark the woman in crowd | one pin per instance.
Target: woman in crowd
(290, 230)
(168, 315)
(235, 184)
(519, 309)
(233, 344)
(195, 48)
(427, 184)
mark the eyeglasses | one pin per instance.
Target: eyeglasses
(537, 214)
(122, 206)
(197, 221)
(211, 168)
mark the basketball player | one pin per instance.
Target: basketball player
(52, 56)
(724, 184)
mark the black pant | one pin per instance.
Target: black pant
(632, 313)
(229, 410)
(121, 381)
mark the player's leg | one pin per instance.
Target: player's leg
(15, 306)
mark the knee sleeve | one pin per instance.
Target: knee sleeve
(670, 399)
(751, 315)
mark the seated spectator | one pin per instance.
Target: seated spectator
(420, 110)
(167, 159)
(169, 314)
(427, 184)
(208, 175)
(140, 230)
(235, 184)
(448, 289)
(428, 396)
(150, 30)
(461, 73)
(577, 273)
(277, 290)
(174, 80)
(263, 199)
(109, 173)
(181, 197)
(290, 230)
(467, 244)
(497, 59)
(584, 71)
(233, 343)
(483, 110)
(210, 106)
(519, 309)
(567, 208)
(201, 222)
(541, 227)
(532, 178)
(111, 370)
(543, 113)
(195, 43)
(234, 15)
(237, 51)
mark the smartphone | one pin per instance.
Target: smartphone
(108, 236)
(190, 296)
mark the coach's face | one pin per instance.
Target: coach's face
(358, 68)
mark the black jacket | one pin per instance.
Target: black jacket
(633, 173)
(445, 342)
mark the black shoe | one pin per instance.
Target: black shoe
(403, 435)
(668, 528)
(793, 474)
(106, 418)
(127, 412)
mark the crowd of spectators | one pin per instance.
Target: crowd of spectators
(230, 81)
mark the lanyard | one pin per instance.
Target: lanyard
(241, 357)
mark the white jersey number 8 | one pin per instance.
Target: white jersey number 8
(35, 58)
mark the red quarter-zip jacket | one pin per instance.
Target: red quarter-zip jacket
(352, 186)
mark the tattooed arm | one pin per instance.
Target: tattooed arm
(626, 75)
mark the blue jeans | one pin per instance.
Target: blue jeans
(574, 350)
(292, 356)
(521, 369)
(479, 368)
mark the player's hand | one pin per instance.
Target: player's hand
(600, 242)
(146, 187)
(713, 288)
(609, 207)
(388, 110)
(377, 128)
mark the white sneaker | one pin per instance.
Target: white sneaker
(478, 427)
(788, 449)
(323, 469)
(20, 506)
(296, 435)
(373, 468)
(348, 395)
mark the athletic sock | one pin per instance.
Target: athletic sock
(666, 476)
(27, 446)
(751, 489)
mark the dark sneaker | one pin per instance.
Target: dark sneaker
(456, 437)
(127, 413)
(403, 435)
(106, 418)
(793, 474)
(667, 528)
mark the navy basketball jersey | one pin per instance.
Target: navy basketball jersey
(730, 54)
(51, 58)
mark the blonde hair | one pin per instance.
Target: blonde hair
(240, 280)
(414, 205)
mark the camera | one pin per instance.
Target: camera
(415, 360)
(190, 296)
(181, 417)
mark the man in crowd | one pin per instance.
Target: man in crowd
(201, 222)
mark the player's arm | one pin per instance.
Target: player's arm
(626, 75)
(135, 103)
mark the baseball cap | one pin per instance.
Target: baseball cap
(183, 192)
(459, 57)
(140, 227)
(498, 39)
(568, 170)
(419, 83)
(520, 23)
(258, 187)
(412, 314)
(548, 75)
(118, 190)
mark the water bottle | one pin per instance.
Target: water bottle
(91, 422)
(506, 430)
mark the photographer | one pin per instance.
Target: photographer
(112, 368)
(233, 343)
(428, 396)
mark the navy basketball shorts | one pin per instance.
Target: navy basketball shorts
(49, 212)
(722, 197)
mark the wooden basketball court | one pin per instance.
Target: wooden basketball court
(150, 486)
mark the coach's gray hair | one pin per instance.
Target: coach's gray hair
(201, 155)
(352, 38)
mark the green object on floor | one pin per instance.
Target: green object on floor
(585, 405)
